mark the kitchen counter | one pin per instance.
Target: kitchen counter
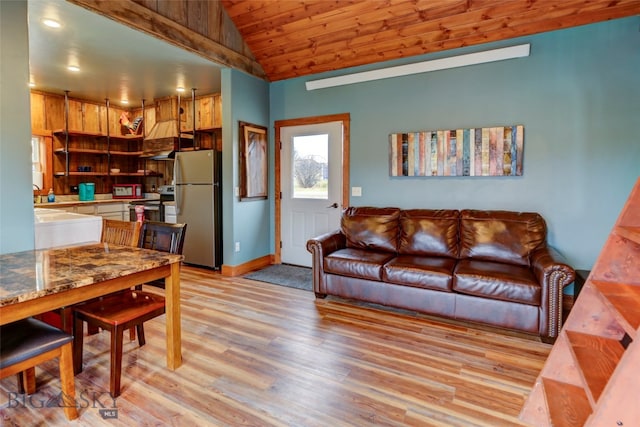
(54, 227)
(71, 201)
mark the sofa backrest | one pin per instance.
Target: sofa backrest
(371, 228)
(501, 236)
(429, 232)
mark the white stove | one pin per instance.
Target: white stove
(156, 209)
(170, 214)
(167, 197)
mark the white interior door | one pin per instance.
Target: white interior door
(311, 175)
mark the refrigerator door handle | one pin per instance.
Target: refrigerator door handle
(177, 197)
(176, 174)
(176, 170)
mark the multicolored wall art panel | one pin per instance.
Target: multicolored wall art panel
(495, 151)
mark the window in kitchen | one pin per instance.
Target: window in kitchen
(36, 166)
(38, 163)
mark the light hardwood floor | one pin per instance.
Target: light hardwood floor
(264, 355)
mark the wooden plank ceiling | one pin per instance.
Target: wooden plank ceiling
(297, 38)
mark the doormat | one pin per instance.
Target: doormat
(291, 276)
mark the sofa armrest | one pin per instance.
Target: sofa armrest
(553, 274)
(324, 244)
(320, 247)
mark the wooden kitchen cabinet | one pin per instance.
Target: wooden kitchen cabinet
(208, 113)
(149, 121)
(166, 109)
(87, 133)
(76, 116)
(208, 117)
(54, 110)
(48, 112)
(38, 116)
(208, 121)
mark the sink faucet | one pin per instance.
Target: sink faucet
(36, 197)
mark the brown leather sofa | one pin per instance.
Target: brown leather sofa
(492, 267)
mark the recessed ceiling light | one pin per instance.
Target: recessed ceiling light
(73, 68)
(124, 101)
(180, 89)
(32, 84)
(51, 23)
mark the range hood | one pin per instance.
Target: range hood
(164, 140)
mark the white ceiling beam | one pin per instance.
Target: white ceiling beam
(483, 57)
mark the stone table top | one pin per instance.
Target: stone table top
(33, 274)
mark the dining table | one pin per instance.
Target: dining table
(33, 282)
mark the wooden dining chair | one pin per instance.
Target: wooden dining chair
(29, 342)
(126, 233)
(115, 313)
(130, 308)
(113, 231)
(162, 236)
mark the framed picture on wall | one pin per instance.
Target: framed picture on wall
(492, 151)
(253, 162)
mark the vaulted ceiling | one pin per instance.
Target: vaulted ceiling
(271, 39)
(296, 38)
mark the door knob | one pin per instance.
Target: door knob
(335, 206)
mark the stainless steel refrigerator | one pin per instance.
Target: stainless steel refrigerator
(198, 194)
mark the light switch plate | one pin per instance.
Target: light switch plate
(356, 191)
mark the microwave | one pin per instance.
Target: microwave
(127, 191)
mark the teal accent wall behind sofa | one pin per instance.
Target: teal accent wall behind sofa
(577, 94)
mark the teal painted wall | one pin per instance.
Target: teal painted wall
(244, 98)
(16, 200)
(577, 94)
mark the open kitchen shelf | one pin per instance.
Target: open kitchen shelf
(59, 174)
(98, 151)
(88, 135)
(79, 150)
(126, 153)
(73, 133)
(142, 174)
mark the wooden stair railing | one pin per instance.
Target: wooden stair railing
(591, 375)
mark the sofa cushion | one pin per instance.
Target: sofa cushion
(506, 282)
(500, 235)
(429, 232)
(361, 263)
(371, 228)
(420, 272)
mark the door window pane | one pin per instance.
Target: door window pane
(310, 166)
